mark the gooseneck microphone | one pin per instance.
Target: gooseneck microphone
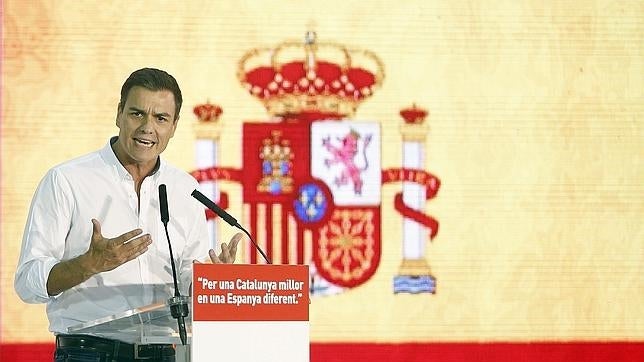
(178, 304)
(227, 218)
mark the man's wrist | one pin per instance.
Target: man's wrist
(85, 266)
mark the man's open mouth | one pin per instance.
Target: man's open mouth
(146, 143)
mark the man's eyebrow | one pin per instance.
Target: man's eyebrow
(162, 114)
(132, 108)
(165, 114)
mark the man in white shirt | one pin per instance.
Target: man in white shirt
(94, 244)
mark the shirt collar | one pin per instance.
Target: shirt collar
(107, 153)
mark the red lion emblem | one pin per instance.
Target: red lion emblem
(345, 155)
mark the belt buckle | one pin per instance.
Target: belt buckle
(136, 351)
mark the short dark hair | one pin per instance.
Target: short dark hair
(154, 80)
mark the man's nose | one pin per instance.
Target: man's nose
(146, 125)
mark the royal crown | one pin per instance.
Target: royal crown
(207, 112)
(310, 79)
(414, 114)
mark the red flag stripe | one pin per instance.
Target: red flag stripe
(419, 352)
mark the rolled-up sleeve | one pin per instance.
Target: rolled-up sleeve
(43, 241)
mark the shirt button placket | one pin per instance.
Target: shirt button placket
(142, 222)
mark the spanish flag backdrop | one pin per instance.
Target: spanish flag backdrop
(501, 215)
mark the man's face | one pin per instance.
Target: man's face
(146, 123)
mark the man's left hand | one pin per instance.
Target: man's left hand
(228, 251)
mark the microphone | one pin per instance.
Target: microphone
(163, 205)
(214, 207)
(178, 304)
(227, 218)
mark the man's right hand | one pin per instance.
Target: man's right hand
(106, 254)
(103, 254)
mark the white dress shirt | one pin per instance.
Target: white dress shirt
(59, 228)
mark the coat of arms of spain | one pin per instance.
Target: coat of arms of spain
(312, 175)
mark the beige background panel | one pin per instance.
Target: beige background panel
(535, 131)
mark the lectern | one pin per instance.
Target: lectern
(238, 312)
(151, 324)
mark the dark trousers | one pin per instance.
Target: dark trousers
(83, 348)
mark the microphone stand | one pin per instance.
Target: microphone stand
(178, 304)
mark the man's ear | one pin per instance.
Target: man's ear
(118, 113)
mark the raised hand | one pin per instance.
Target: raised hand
(228, 251)
(106, 254)
(103, 254)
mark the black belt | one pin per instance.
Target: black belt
(114, 349)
